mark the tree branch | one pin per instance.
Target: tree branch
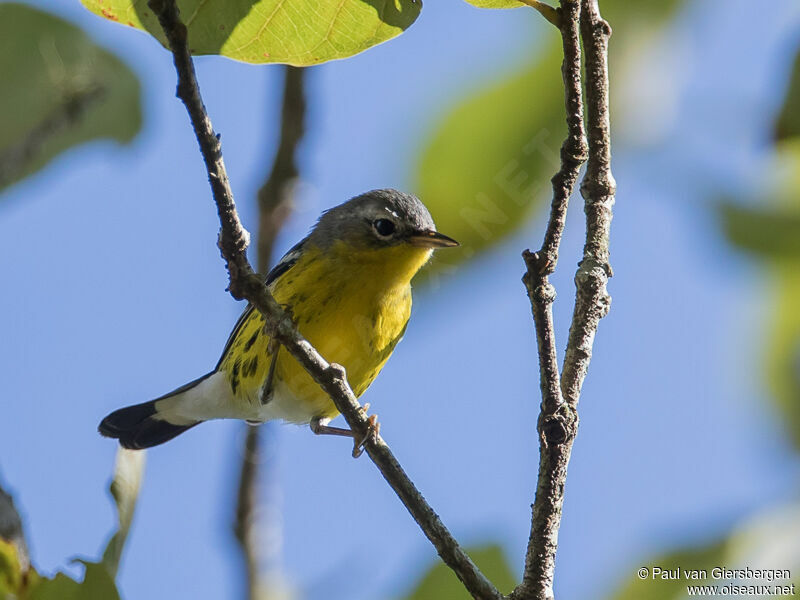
(558, 420)
(556, 425)
(246, 284)
(598, 187)
(274, 207)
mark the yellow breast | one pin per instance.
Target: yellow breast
(353, 310)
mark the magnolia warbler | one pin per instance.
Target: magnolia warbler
(347, 286)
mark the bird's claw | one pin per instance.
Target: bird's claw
(373, 430)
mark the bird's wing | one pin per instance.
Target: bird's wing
(287, 262)
(284, 264)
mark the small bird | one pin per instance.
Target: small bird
(347, 286)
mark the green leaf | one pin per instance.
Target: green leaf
(11, 573)
(98, 581)
(654, 585)
(296, 32)
(12, 533)
(16, 573)
(496, 3)
(623, 15)
(125, 490)
(773, 234)
(59, 90)
(766, 232)
(783, 347)
(788, 123)
(440, 583)
(97, 584)
(487, 166)
(766, 541)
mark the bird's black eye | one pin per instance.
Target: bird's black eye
(384, 227)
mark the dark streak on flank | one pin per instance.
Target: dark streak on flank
(251, 341)
(235, 375)
(249, 367)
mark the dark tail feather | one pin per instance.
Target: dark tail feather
(136, 426)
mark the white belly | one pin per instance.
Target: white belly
(283, 405)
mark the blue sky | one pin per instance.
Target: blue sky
(115, 294)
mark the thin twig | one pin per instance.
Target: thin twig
(246, 284)
(274, 207)
(233, 237)
(556, 425)
(598, 187)
(550, 13)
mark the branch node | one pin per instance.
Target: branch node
(538, 263)
(337, 372)
(559, 428)
(544, 293)
(601, 27)
(576, 150)
(601, 187)
(593, 274)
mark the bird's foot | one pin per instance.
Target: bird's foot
(319, 426)
(373, 431)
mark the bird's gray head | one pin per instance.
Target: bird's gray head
(380, 218)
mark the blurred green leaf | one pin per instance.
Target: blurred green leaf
(11, 574)
(97, 584)
(488, 163)
(773, 234)
(439, 583)
(654, 587)
(783, 347)
(59, 90)
(125, 490)
(301, 32)
(766, 541)
(16, 574)
(496, 3)
(623, 15)
(18, 580)
(788, 123)
(766, 232)
(11, 533)
(486, 166)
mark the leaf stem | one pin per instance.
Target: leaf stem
(552, 14)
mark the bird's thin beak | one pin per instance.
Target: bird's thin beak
(431, 239)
